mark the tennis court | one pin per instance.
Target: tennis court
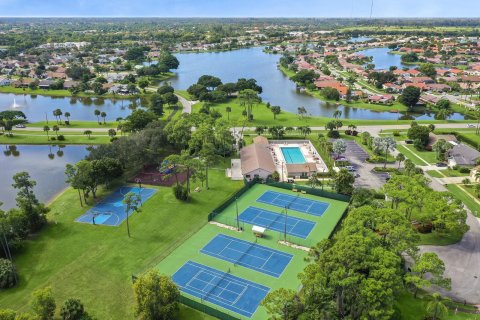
(279, 222)
(220, 288)
(248, 254)
(111, 211)
(297, 203)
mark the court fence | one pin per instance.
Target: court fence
(206, 309)
(229, 201)
(308, 190)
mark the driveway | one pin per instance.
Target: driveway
(462, 262)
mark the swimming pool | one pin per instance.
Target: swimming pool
(293, 155)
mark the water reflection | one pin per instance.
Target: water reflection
(46, 165)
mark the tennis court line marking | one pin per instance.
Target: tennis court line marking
(289, 226)
(234, 281)
(279, 202)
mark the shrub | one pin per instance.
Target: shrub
(72, 309)
(61, 137)
(7, 274)
(53, 138)
(333, 134)
(464, 170)
(276, 176)
(396, 133)
(180, 192)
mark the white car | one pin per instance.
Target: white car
(20, 126)
(470, 125)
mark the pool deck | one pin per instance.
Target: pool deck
(306, 147)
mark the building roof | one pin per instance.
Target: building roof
(260, 140)
(433, 138)
(256, 156)
(464, 155)
(301, 167)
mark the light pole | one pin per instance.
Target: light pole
(236, 207)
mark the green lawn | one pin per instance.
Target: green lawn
(447, 173)
(74, 124)
(185, 94)
(95, 263)
(410, 155)
(38, 137)
(435, 174)
(59, 93)
(461, 195)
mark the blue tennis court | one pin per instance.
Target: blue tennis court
(282, 200)
(274, 221)
(248, 254)
(293, 155)
(220, 288)
(111, 211)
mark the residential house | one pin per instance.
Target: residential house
(463, 155)
(4, 82)
(381, 98)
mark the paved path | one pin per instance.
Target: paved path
(462, 261)
(187, 105)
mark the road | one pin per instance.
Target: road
(187, 105)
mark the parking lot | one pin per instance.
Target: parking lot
(366, 177)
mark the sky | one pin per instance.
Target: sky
(240, 8)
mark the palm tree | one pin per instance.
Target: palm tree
(57, 113)
(97, 113)
(228, 110)
(103, 115)
(55, 128)
(436, 307)
(112, 133)
(132, 203)
(337, 114)
(88, 133)
(46, 129)
(67, 115)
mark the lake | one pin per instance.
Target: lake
(383, 59)
(228, 66)
(38, 108)
(45, 164)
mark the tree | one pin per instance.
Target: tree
(343, 182)
(138, 120)
(436, 307)
(43, 303)
(304, 130)
(112, 133)
(410, 97)
(283, 304)
(57, 113)
(165, 88)
(67, 115)
(384, 145)
(28, 202)
(143, 83)
(313, 181)
(132, 202)
(7, 273)
(302, 112)
(209, 82)
(156, 297)
(441, 147)
(169, 60)
(428, 263)
(420, 133)
(330, 93)
(228, 110)
(260, 130)
(97, 113)
(103, 115)
(304, 76)
(156, 103)
(428, 69)
(56, 128)
(88, 133)
(72, 309)
(46, 129)
(275, 110)
(339, 147)
(400, 158)
(248, 98)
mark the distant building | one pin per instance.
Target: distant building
(463, 155)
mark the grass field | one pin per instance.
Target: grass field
(461, 195)
(74, 124)
(58, 93)
(95, 263)
(407, 152)
(38, 137)
(190, 249)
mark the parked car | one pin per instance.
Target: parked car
(290, 180)
(350, 168)
(441, 164)
(409, 141)
(470, 125)
(20, 126)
